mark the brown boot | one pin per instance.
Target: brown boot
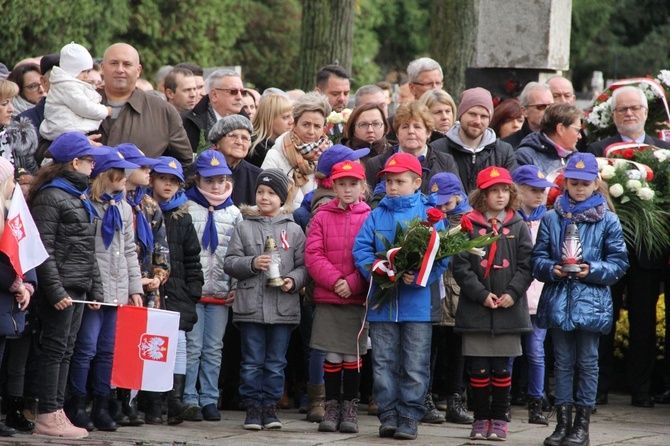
(56, 424)
(316, 394)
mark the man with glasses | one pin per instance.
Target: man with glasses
(424, 74)
(224, 97)
(642, 281)
(534, 100)
(145, 120)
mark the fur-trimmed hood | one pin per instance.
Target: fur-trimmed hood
(21, 137)
(252, 211)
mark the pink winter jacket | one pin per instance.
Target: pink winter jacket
(328, 252)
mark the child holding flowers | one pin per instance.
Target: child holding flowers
(492, 310)
(577, 308)
(401, 326)
(339, 294)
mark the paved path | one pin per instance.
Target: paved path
(613, 424)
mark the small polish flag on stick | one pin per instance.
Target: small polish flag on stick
(145, 348)
(21, 240)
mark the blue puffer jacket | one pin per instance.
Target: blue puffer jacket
(536, 149)
(410, 303)
(579, 304)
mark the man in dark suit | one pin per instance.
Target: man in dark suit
(642, 283)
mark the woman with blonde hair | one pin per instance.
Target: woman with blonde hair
(273, 118)
(443, 108)
(296, 152)
(18, 139)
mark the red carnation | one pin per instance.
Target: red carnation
(628, 154)
(466, 225)
(434, 215)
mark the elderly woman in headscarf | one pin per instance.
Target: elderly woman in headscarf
(231, 136)
(296, 152)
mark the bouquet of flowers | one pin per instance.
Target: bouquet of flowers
(598, 120)
(416, 247)
(336, 118)
(643, 221)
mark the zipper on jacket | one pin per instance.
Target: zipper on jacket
(16, 325)
(474, 158)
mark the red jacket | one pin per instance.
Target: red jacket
(328, 252)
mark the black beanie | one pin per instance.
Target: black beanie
(276, 180)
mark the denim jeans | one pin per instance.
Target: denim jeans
(59, 332)
(204, 345)
(535, 356)
(578, 348)
(180, 360)
(94, 351)
(264, 349)
(401, 367)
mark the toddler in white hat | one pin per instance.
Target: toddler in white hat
(72, 104)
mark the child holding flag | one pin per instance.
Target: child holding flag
(183, 288)
(15, 291)
(122, 284)
(65, 219)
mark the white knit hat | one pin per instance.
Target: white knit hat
(74, 59)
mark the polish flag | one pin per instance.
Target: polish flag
(145, 348)
(20, 239)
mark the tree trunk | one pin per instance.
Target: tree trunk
(327, 37)
(454, 40)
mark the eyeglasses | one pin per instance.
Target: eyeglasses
(88, 160)
(374, 125)
(236, 137)
(429, 84)
(632, 108)
(576, 127)
(35, 86)
(539, 107)
(231, 91)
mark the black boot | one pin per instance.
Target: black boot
(115, 409)
(75, 409)
(15, 417)
(535, 415)
(129, 407)
(177, 410)
(153, 408)
(579, 434)
(456, 412)
(100, 414)
(563, 425)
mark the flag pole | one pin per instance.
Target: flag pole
(90, 302)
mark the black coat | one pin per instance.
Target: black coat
(435, 161)
(184, 286)
(12, 319)
(69, 238)
(244, 180)
(498, 154)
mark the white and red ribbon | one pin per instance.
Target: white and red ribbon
(428, 258)
(621, 146)
(387, 267)
(284, 240)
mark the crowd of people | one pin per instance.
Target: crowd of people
(252, 214)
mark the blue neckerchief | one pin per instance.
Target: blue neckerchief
(210, 238)
(593, 201)
(68, 187)
(177, 200)
(462, 207)
(537, 214)
(111, 221)
(144, 233)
